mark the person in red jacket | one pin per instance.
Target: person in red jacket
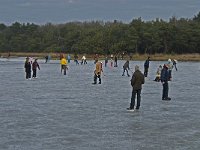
(35, 65)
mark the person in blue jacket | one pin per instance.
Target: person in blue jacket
(165, 77)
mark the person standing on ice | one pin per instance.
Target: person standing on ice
(158, 73)
(136, 82)
(63, 63)
(111, 62)
(106, 61)
(76, 59)
(174, 64)
(146, 67)
(170, 67)
(27, 67)
(83, 60)
(126, 68)
(97, 72)
(68, 58)
(35, 65)
(115, 63)
(165, 77)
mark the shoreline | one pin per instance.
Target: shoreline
(137, 57)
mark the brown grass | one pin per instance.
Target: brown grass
(155, 57)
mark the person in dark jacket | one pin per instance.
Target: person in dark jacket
(146, 67)
(136, 82)
(165, 77)
(27, 67)
(35, 65)
(115, 63)
(126, 68)
(106, 61)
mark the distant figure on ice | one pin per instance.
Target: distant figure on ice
(46, 58)
(170, 67)
(136, 82)
(115, 63)
(126, 68)
(35, 65)
(106, 61)
(111, 62)
(76, 59)
(63, 63)
(174, 64)
(8, 55)
(146, 67)
(83, 60)
(27, 67)
(97, 72)
(68, 58)
(158, 74)
(165, 77)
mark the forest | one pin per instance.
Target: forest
(176, 36)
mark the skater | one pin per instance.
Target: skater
(165, 77)
(111, 62)
(136, 82)
(27, 67)
(170, 67)
(76, 59)
(63, 63)
(35, 65)
(8, 55)
(97, 72)
(174, 61)
(115, 63)
(83, 60)
(158, 73)
(68, 58)
(126, 68)
(46, 58)
(146, 67)
(106, 61)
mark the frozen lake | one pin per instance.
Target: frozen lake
(57, 112)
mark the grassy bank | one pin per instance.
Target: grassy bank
(155, 57)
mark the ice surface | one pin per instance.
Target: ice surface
(57, 112)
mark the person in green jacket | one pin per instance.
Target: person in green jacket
(136, 82)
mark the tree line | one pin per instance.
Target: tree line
(178, 36)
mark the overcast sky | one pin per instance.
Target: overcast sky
(61, 11)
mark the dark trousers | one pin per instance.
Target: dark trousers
(64, 67)
(28, 74)
(76, 62)
(34, 73)
(106, 63)
(146, 71)
(134, 92)
(125, 69)
(95, 78)
(165, 90)
(175, 67)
